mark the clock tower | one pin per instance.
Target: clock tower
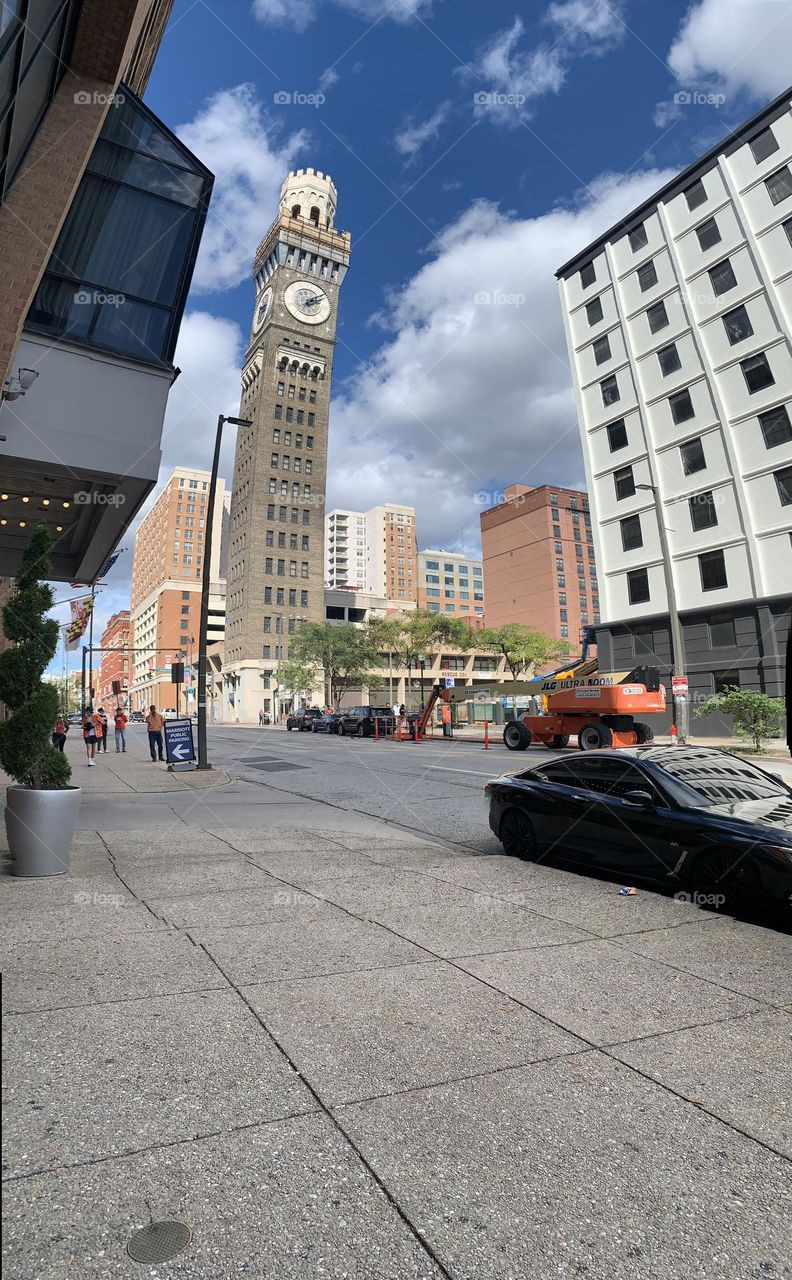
(275, 575)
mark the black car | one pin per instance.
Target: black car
(360, 720)
(704, 822)
(328, 723)
(304, 718)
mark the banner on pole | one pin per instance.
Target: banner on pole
(81, 611)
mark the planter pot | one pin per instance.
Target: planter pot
(40, 827)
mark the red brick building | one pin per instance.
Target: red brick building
(115, 665)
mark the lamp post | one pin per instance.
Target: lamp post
(203, 763)
(420, 658)
(679, 702)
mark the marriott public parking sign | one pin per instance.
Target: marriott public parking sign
(179, 745)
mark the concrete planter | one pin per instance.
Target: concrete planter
(40, 827)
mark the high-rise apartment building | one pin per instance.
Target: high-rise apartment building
(374, 551)
(345, 550)
(115, 662)
(391, 552)
(101, 214)
(679, 326)
(539, 561)
(277, 532)
(451, 584)
(167, 569)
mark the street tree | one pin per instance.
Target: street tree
(523, 648)
(340, 656)
(757, 716)
(418, 631)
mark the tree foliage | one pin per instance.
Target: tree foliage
(756, 715)
(523, 648)
(339, 656)
(419, 631)
(26, 750)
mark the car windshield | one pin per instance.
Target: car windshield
(699, 779)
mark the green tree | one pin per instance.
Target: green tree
(26, 750)
(756, 715)
(419, 631)
(523, 648)
(341, 656)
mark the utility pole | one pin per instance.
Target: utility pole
(679, 701)
(206, 579)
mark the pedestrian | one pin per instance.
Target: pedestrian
(155, 725)
(89, 736)
(261, 717)
(59, 732)
(402, 710)
(396, 710)
(101, 736)
(120, 722)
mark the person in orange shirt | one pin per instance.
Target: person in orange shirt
(59, 733)
(120, 722)
(155, 725)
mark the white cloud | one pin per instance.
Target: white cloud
(472, 389)
(232, 136)
(413, 136)
(508, 78)
(743, 45)
(327, 79)
(300, 13)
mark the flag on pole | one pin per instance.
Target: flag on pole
(81, 611)
(108, 564)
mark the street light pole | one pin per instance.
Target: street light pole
(203, 624)
(679, 703)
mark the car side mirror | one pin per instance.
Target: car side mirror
(641, 799)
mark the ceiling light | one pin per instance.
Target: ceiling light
(26, 499)
(66, 504)
(22, 524)
(45, 502)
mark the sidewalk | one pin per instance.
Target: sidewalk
(336, 1050)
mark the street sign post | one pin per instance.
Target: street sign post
(449, 682)
(679, 686)
(179, 745)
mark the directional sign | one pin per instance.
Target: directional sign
(679, 686)
(179, 746)
(449, 682)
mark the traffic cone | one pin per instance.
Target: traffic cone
(673, 735)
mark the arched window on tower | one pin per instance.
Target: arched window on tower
(315, 216)
(295, 211)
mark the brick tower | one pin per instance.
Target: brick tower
(276, 533)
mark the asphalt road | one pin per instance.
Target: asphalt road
(433, 787)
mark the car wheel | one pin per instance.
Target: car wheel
(517, 835)
(361, 731)
(289, 726)
(340, 731)
(643, 734)
(517, 736)
(558, 741)
(723, 881)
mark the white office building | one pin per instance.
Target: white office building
(374, 551)
(679, 327)
(345, 550)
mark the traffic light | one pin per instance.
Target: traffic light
(177, 672)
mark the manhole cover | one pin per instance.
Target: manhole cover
(159, 1241)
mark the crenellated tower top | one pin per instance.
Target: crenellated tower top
(310, 194)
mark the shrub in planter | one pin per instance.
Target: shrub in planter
(42, 809)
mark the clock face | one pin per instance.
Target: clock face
(265, 302)
(307, 302)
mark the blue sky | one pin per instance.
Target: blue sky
(475, 147)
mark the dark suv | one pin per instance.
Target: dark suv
(360, 720)
(304, 718)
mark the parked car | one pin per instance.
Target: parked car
(360, 720)
(328, 723)
(708, 823)
(74, 717)
(170, 713)
(137, 717)
(304, 718)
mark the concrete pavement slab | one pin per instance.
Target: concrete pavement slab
(595, 904)
(113, 1078)
(306, 866)
(576, 1167)
(743, 957)
(164, 845)
(84, 971)
(383, 888)
(738, 1070)
(359, 1034)
(479, 924)
(595, 990)
(496, 874)
(323, 941)
(80, 908)
(286, 1201)
(206, 914)
(274, 839)
(193, 875)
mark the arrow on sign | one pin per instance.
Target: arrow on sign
(182, 752)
